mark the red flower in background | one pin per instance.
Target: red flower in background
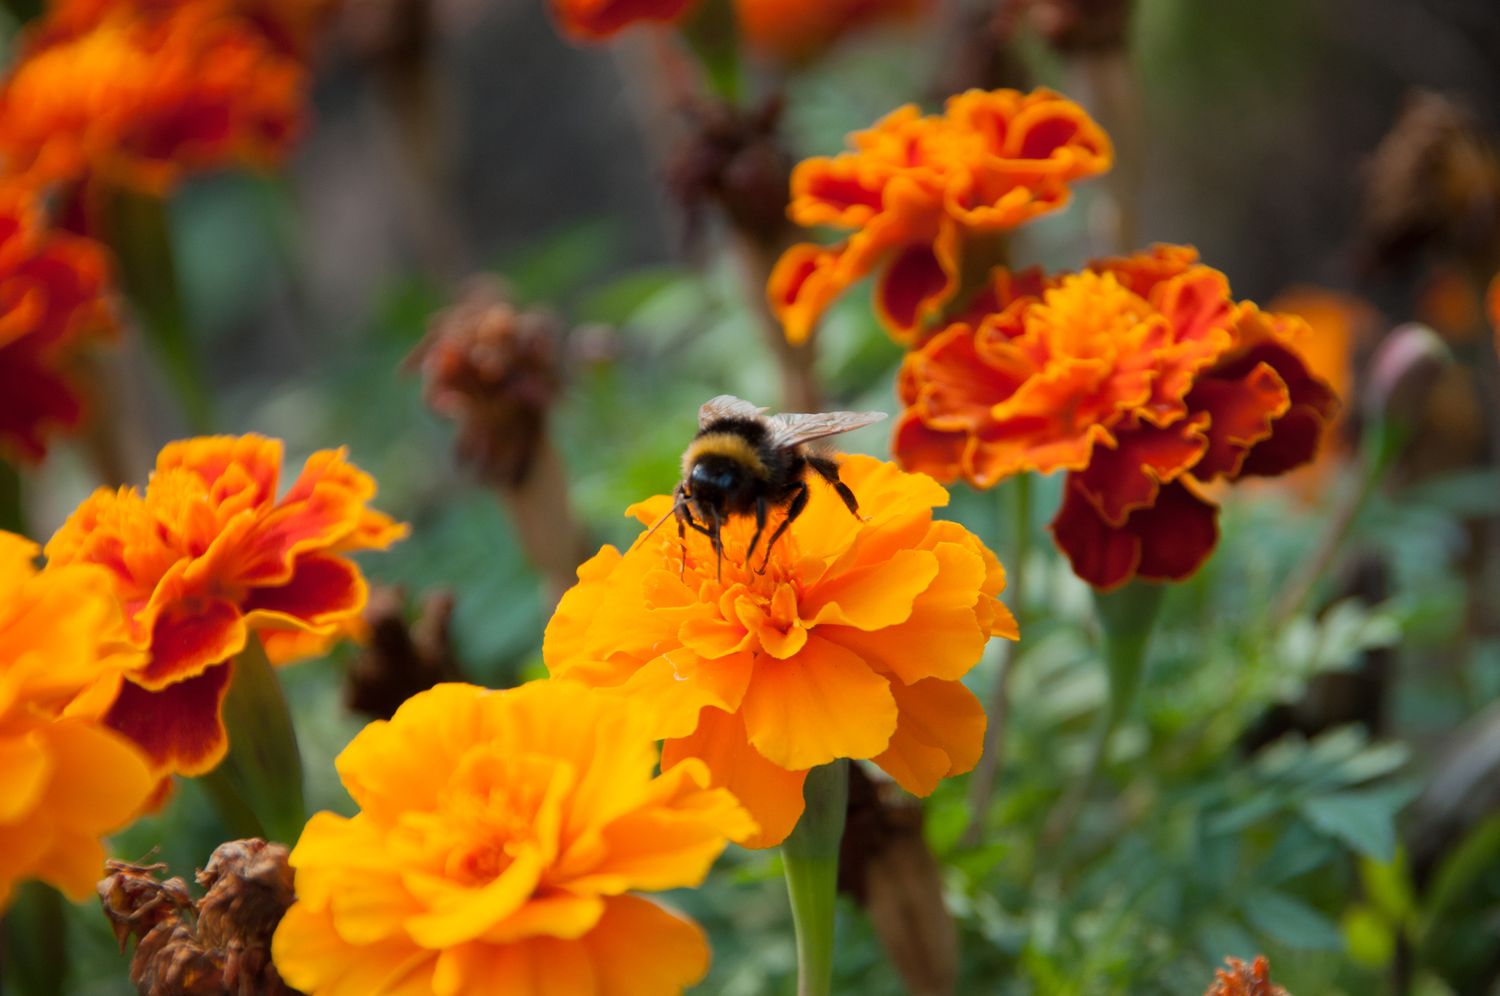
(595, 20)
(52, 300)
(915, 189)
(209, 554)
(1139, 376)
(140, 97)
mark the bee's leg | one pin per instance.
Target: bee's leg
(799, 502)
(829, 471)
(760, 525)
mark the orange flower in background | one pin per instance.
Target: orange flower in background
(137, 100)
(796, 31)
(1492, 308)
(851, 643)
(499, 839)
(292, 26)
(1140, 376)
(52, 300)
(1240, 979)
(209, 554)
(65, 779)
(596, 20)
(916, 189)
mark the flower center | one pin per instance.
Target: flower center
(1089, 315)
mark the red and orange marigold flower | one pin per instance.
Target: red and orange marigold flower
(52, 299)
(500, 838)
(918, 191)
(595, 20)
(209, 555)
(65, 779)
(1139, 376)
(146, 93)
(851, 644)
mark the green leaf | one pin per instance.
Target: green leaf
(1363, 819)
(1289, 921)
(1371, 940)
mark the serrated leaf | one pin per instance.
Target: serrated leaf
(1363, 820)
(1289, 921)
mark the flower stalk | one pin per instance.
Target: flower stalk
(258, 785)
(34, 942)
(811, 859)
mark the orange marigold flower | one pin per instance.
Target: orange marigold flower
(850, 644)
(1139, 376)
(292, 26)
(64, 778)
(595, 20)
(1245, 980)
(52, 298)
(796, 31)
(1492, 307)
(498, 840)
(209, 554)
(915, 188)
(138, 100)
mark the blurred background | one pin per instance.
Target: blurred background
(1322, 786)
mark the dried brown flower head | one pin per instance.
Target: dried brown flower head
(493, 369)
(1245, 980)
(1433, 185)
(1071, 26)
(217, 946)
(734, 159)
(401, 658)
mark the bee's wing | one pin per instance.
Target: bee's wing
(727, 406)
(789, 430)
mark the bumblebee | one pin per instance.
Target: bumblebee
(745, 462)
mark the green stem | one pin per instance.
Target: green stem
(982, 782)
(811, 857)
(34, 943)
(257, 788)
(141, 236)
(1127, 616)
(12, 508)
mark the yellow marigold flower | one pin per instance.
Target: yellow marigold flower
(498, 840)
(137, 100)
(915, 189)
(64, 778)
(850, 644)
(209, 553)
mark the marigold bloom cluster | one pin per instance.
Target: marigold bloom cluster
(1240, 979)
(1139, 376)
(851, 644)
(64, 778)
(595, 20)
(52, 300)
(794, 31)
(918, 191)
(145, 93)
(499, 839)
(208, 555)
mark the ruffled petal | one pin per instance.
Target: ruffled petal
(772, 795)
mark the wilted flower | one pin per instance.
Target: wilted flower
(1245, 980)
(64, 778)
(52, 299)
(595, 20)
(796, 31)
(208, 555)
(850, 644)
(499, 838)
(1140, 376)
(401, 658)
(916, 189)
(220, 944)
(734, 158)
(1072, 25)
(136, 100)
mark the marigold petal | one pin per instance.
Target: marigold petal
(875, 596)
(321, 590)
(1242, 413)
(824, 704)
(771, 794)
(1127, 476)
(1176, 534)
(189, 639)
(678, 684)
(27, 768)
(468, 913)
(311, 956)
(677, 957)
(918, 280)
(178, 726)
(564, 916)
(940, 733)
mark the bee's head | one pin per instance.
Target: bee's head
(718, 482)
